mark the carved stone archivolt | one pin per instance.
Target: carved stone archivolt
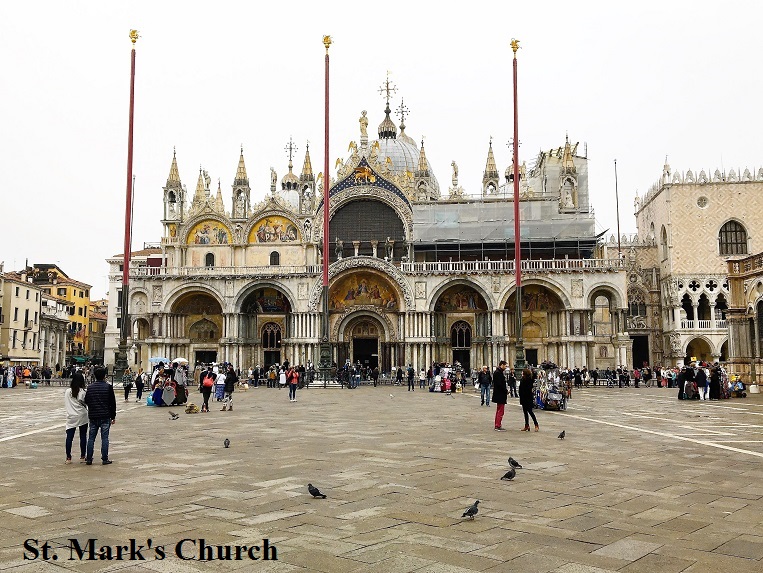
(368, 263)
(364, 310)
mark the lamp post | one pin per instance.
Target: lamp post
(519, 359)
(121, 363)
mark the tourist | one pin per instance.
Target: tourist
(140, 383)
(230, 385)
(484, 381)
(293, 379)
(702, 383)
(513, 384)
(206, 386)
(102, 412)
(399, 377)
(526, 396)
(500, 395)
(715, 383)
(411, 373)
(76, 416)
(422, 378)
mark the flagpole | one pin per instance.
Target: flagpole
(325, 347)
(519, 359)
(120, 360)
(617, 206)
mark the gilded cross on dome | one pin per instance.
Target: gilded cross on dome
(402, 111)
(387, 89)
(290, 148)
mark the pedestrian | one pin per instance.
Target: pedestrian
(399, 377)
(230, 385)
(513, 384)
(206, 386)
(76, 416)
(140, 383)
(102, 413)
(702, 382)
(500, 394)
(293, 379)
(526, 395)
(127, 384)
(484, 380)
(422, 378)
(375, 375)
(411, 373)
(715, 383)
(282, 380)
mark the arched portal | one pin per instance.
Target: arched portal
(462, 325)
(198, 317)
(363, 341)
(698, 349)
(264, 327)
(543, 318)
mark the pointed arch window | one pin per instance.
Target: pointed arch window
(209, 260)
(271, 336)
(461, 335)
(664, 242)
(171, 197)
(275, 258)
(732, 239)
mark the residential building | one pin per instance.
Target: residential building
(19, 319)
(54, 328)
(55, 282)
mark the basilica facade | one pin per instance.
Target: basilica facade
(419, 272)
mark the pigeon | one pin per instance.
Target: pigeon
(391, 396)
(515, 464)
(472, 510)
(173, 416)
(561, 436)
(226, 443)
(509, 475)
(315, 492)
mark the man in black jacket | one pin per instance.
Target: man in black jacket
(102, 411)
(500, 394)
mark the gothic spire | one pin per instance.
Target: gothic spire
(200, 194)
(174, 176)
(219, 205)
(241, 176)
(491, 171)
(307, 167)
(423, 170)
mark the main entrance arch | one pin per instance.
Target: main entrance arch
(363, 340)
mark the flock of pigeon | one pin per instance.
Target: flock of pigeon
(514, 465)
(470, 512)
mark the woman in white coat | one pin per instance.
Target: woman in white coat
(76, 416)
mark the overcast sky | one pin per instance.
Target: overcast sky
(636, 82)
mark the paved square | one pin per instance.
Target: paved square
(642, 482)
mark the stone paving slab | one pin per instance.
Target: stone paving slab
(643, 483)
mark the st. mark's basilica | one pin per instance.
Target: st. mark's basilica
(420, 271)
